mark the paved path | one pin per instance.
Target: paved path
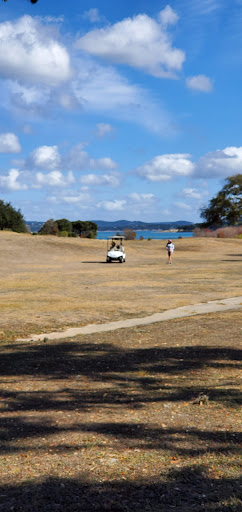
(195, 309)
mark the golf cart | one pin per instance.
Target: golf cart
(115, 249)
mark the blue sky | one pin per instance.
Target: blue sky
(128, 110)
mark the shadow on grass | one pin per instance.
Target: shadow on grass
(183, 490)
(17, 435)
(132, 377)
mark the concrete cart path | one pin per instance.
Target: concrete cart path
(192, 310)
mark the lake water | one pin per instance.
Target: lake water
(155, 235)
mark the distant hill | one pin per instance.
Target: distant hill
(119, 225)
(34, 225)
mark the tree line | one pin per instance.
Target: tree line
(64, 227)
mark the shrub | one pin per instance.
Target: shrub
(50, 227)
(63, 233)
(129, 234)
(149, 239)
(225, 232)
(141, 237)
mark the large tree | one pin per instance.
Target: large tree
(64, 225)
(226, 206)
(87, 229)
(11, 218)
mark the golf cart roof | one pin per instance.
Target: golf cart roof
(116, 237)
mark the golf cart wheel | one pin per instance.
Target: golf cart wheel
(121, 259)
(108, 260)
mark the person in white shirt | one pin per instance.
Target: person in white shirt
(170, 248)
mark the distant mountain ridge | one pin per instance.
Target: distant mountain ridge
(119, 225)
(104, 225)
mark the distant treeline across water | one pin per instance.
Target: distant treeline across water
(155, 235)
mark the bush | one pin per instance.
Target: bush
(50, 227)
(129, 234)
(225, 232)
(63, 233)
(149, 239)
(141, 237)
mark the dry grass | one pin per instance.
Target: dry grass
(49, 283)
(137, 420)
(144, 420)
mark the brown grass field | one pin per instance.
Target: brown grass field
(50, 283)
(146, 419)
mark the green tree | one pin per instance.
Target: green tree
(226, 206)
(50, 227)
(64, 225)
(11, 218)
(86, 229)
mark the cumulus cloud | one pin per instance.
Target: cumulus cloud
(166, 167)
(112, 180)
(80, 160)
(9, 143)
(116, 205)
(53, 179)
(199, 83)
(103, 129)
(141, 42)
(80, 198)
(49, 158)
(45, 157)
(11, 183)
(193, 193)
(220, 163)
(92, 15)
(141, 197)
(29, 52)
(168, 17)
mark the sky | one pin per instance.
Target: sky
(128, 110)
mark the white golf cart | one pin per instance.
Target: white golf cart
(115, 249)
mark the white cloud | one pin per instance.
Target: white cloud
(168, 17)
(116, 205)
(183, 206)
(45, 157)
(199, 83)
(140, 42)
(11, 182)
(92, 15)
(141, 197)
(166, 167)
(9, 143)
(194, 193)
(220, 163)
(81, 198)
(103, 129)
(29, 52)
(112, 180)
(54, 179)
(80, 160)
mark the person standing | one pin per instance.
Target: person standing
(170, 248)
